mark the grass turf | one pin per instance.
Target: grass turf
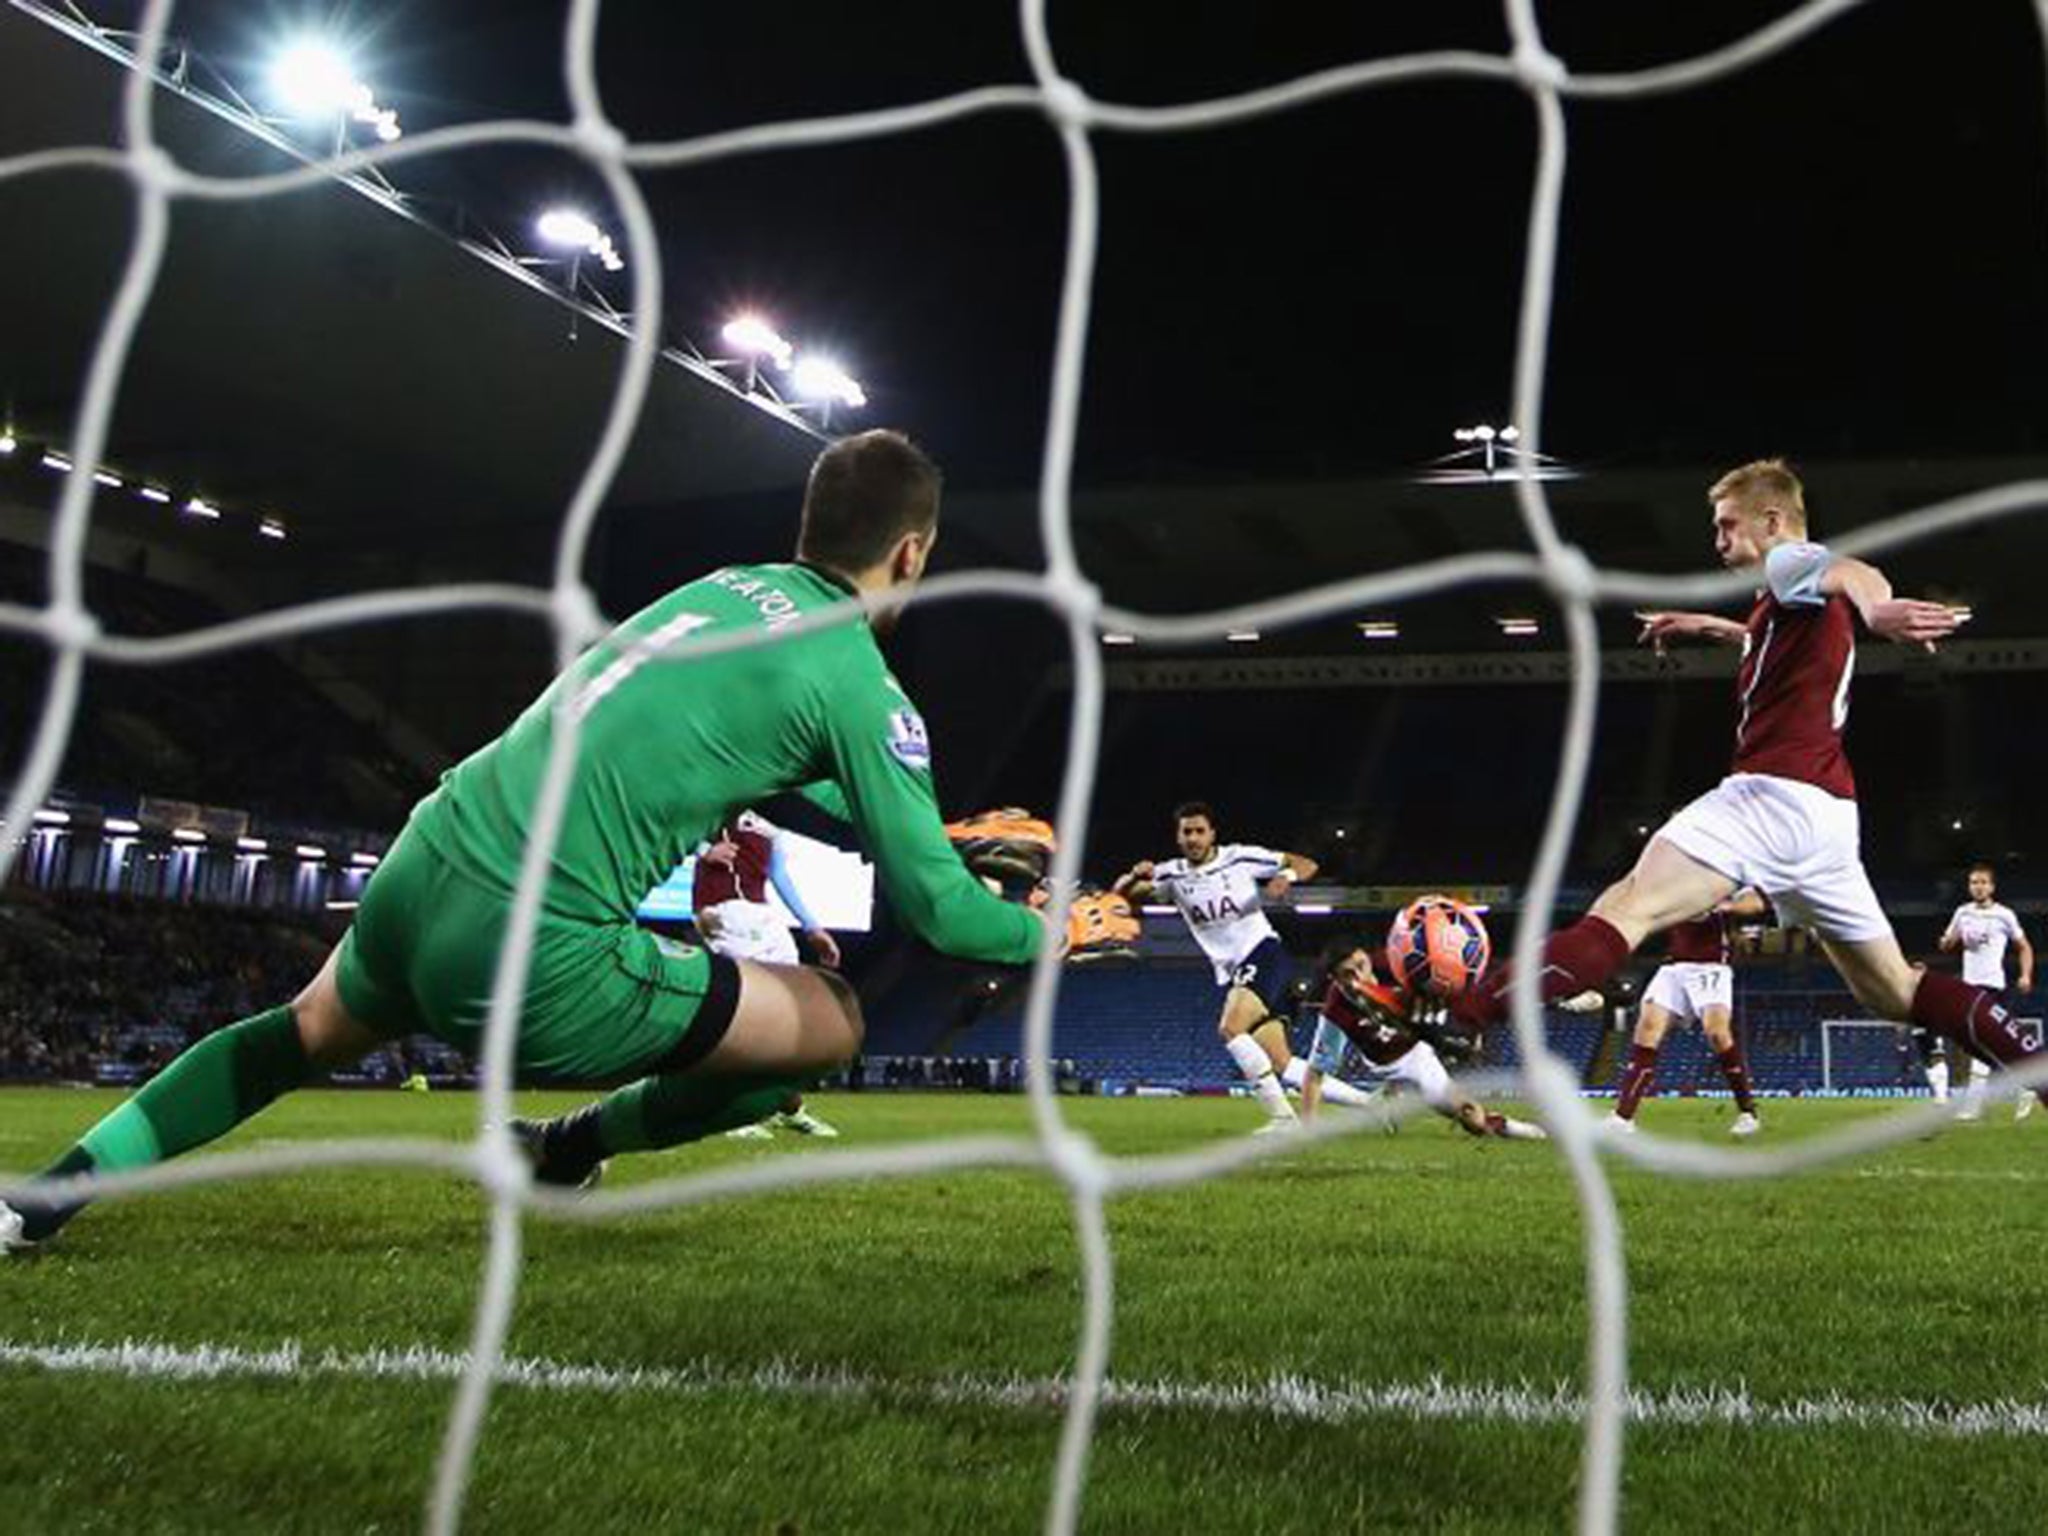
(1914, 1274)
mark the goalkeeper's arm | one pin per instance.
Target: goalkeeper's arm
(878, 758)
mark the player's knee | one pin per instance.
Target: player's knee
(330, 1035)
(1617, 907)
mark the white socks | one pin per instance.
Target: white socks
(1980, 1083)
(1257, 1069)
(1937, 1079)
(1335, 1089)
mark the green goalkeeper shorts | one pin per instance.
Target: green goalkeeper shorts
(602, 1001)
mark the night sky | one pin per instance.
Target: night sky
(1838, 253)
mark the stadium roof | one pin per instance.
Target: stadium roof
(327, 354)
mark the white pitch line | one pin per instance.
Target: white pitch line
(1284, 1397)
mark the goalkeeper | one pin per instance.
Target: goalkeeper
(669, 746)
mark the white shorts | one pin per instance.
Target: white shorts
(749, 930)
(1799, 845)
(1686, 989)
(1419, 1068)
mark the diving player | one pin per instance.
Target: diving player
(1357, 1009)
(670, 742)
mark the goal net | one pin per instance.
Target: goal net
(1089, 1178)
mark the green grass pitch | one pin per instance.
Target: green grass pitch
(861, 1358)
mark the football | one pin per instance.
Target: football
(1438, 945)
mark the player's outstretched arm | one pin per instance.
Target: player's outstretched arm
(1294, 868)
(2025, 952)
(1134, 883)
(1660, 628)
(1324, 1054)
(1951, 936)
(1906, 620)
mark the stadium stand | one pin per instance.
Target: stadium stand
(246, 729)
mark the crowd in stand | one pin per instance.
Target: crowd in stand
(94, 981)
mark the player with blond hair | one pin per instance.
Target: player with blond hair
(1785, 819)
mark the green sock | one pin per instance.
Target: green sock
(209, 1090)
(667, 1111)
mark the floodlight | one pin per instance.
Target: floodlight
(107, 478)
(312, 78)
(200, 507)
(567, 227)
(1117, 637)
(187, 835)
(252, 844)
(53, 818)
(309, 851)
(820, 378)
(271, 528)
(1379, 629)
(7, 444)
(1242, 636)
(52, 459)
(755, 337)
(122, 825)
(153, 493)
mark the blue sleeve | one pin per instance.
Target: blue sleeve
(1327, 1054)
(778, 875)
(1794, 572)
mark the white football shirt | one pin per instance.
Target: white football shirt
(1985, 931)
(1221, 902)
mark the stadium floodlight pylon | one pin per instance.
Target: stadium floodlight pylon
(68, 628)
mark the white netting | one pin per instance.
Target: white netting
(71, 632)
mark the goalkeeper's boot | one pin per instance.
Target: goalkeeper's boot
(804, 1123)
(1745, 1124)
(12, 1234)
(1619, 1126)
(758, 1131)
(550, 1165)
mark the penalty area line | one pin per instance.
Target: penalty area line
(1294, 1398)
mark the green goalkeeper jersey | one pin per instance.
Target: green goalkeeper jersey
(672, 745)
